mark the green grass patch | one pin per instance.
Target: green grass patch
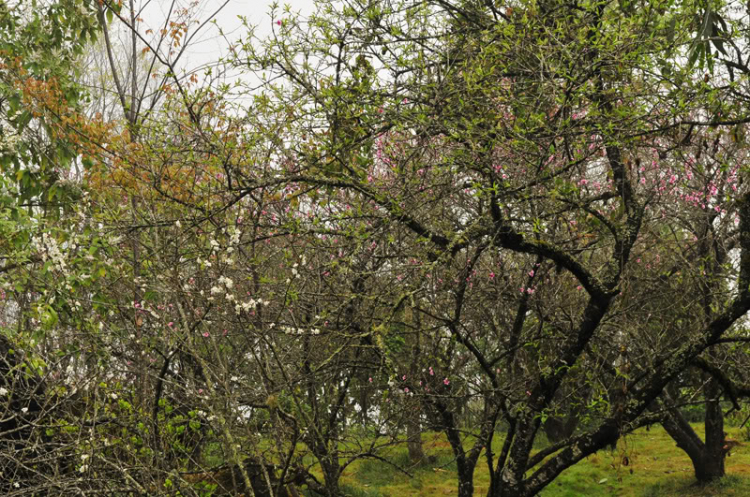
(645, 463)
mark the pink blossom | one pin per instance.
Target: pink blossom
(206, 334)
(370, 379)
(531, 273)
(446, 381)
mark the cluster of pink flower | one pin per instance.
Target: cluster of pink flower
(422, 383)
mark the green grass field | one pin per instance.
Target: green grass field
(646, 463)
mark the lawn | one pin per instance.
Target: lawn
(645, 463)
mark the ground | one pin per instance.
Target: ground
(645, 463)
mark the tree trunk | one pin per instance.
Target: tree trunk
(331, 474)
(712, 466)
(465, 480)
(707, 457)
(464, 465)
(510, 477)
(414, 437)
(413, 425)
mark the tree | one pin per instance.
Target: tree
(495, 217)
(40, 41)
(505, 151)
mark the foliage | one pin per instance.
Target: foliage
(479, 219)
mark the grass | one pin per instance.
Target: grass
(646, 463)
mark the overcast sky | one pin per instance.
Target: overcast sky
(208, 46)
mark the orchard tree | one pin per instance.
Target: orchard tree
(39, 43)
(531, 135)
(458, 215)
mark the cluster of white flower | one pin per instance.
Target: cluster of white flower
(299, 331)
(48, 248)
(234, 240)
(227, 282)
(249, 305)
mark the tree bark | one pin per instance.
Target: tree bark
(712, 466)
(414, 437)
(413, 425)
(331, 475)
(707, 457)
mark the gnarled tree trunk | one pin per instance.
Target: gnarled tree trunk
(707, 457)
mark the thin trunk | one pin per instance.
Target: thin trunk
(414, 437)
(331, 475)
(465, 465)
(413, 425)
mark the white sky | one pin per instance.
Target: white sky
(209, 45)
